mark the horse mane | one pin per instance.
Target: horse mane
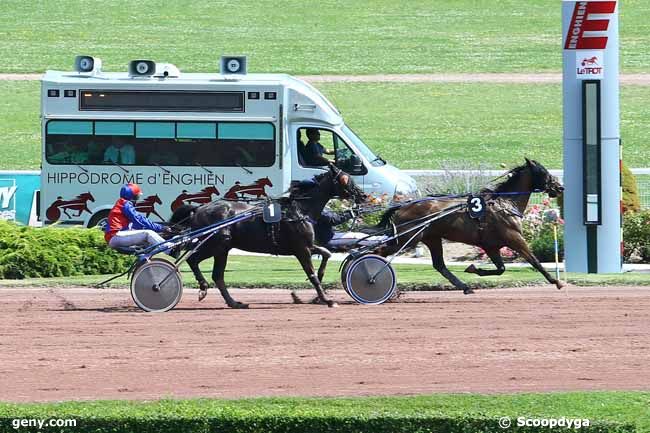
(512, 176)
(385, 219)
(505, 180)
(183, 214)
(301, 188)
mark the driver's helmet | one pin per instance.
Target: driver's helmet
(130, 191)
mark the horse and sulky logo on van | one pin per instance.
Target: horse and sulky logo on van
(74, 207)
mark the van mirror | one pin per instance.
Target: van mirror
(355, 162)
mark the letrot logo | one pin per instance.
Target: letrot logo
(7, 199)
(589, 24)
(589, 65)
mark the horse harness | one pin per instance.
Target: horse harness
(477, 210)
(287, 213)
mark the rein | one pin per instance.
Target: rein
(442, 197)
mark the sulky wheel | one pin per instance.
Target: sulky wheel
(370, 279)
(344, 272)
(156, 286)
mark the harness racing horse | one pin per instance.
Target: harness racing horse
(293, 235)
(500, 226)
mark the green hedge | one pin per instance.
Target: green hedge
(444, 413)
(630, 199)
(636, 235)
(543, 245)
(297, 424)
(27, 252)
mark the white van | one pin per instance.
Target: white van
(188, 138)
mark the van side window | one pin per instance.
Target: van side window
(221, 144)
(68, 141)
(247, 144)
(155, 143)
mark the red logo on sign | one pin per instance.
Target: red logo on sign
(581, 23)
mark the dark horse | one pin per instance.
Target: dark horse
(292, 236)
(499, 227)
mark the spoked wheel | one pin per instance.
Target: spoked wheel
(369, 279)
(156, 286)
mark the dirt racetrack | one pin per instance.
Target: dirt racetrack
(69, 344)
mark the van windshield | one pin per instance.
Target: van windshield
(361, 146)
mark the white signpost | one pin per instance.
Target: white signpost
(592, 149)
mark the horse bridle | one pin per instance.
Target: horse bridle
(337, 182)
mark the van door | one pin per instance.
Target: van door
(314, 147)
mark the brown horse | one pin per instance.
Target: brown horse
(292, 236)
(500, 225)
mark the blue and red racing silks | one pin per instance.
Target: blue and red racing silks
(123, 215)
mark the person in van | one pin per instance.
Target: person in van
(314, 151)
(70, 153)
(126, 227)
(119, 152)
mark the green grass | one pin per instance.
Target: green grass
(411, 125)
(20, 128)
(619, 407)
(285, 272)
(331, 36)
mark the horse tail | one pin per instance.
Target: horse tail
(182, 215)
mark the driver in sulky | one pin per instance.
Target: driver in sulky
(126, 227)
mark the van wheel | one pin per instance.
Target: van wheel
(100, 219)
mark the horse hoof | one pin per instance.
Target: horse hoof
(238, 305)
(471, 269)
(560, 285)
(323, 301)
(202, 294)
(468, 291)
(295, 298)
